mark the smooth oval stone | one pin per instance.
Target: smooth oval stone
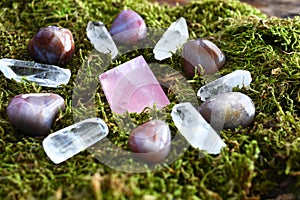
(33, 114)
(128, 27)
(152, 139)
(230, 109)
(201, 52)
(52, 45)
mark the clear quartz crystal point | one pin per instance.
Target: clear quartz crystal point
(101, 38)
(238, 78)
(195, 129)
(175, 36)
(67, 142)
(42, 74)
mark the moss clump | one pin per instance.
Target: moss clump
(260, 161)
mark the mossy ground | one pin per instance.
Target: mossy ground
(259, 162)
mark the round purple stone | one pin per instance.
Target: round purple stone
(52, 45)
(34, 114)
(232, 109)
(152, 140)
(128, 27)
(201, 52)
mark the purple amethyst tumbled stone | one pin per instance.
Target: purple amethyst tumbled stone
(33, 114)
(151, 140)
(201, 52)
(52, 45)
(128, 28)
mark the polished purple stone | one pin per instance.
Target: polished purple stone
(230, 109)
(152, 140)
(128, 27)
(201, 52)
(33, 114)
(52, 45)
(132, 87)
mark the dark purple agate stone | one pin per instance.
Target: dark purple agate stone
(34, 114)
(201, 52)
(52, 45)
(128, 28)
(152, 140)
(232, 109)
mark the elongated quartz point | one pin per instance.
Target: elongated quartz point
(175, 36)
(67, 142)
(195, 129)
(238, 78)
(132, 86)
(42, 74)
(101, 38)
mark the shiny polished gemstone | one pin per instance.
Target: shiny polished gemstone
(204, 53)
(33, 114)
(52, 45)
(152, 140)
(128, 27)
(175, 36)
(101, 38)
(230, 109)
(132, 87)
(42, 74)
(238, 78)
(67, 142)
(195, 129)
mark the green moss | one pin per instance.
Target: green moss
(260, 161)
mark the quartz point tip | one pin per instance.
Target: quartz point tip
(195, 129)
(42, 74)
(67, 142)
(174, 37)
(238, 78)
(101, 38)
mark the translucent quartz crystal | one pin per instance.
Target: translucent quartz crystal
(132, 86)
(231, 109)
(175, 36)
(238, 78)
(42, 74)
(195, 129)
(33, 114)
(101, 38)
(67, 142)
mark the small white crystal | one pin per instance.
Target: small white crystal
(238, 78)
(67, 142)
(101, 38)
(195, 129)
(42, 74)
(175, 36)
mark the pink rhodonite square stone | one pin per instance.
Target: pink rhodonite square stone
(132, 86)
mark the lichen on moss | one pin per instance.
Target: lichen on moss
(260, 161)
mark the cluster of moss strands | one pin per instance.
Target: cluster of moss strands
(260, 161)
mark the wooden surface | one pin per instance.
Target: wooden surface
(279, 8)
